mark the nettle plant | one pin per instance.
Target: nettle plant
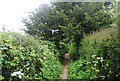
(24, 57)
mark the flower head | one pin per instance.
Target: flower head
(17, 73)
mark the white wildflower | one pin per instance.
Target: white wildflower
(19, 76)
(27, 64)
(55, 31)
(101, 58)
(97, 70)
(22, 73)
(98, 58)
(17, 73)
(93, 55)
(13, 74)
(95, 65)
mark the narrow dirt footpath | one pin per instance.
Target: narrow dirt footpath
(64, 66)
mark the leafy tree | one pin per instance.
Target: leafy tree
(68, 20)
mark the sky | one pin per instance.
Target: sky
(13, 11)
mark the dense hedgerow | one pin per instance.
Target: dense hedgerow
(73, 52)
(24, 57)
(99, 57)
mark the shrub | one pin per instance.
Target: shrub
(73, 52)
(34, 58)
(78, 70)
(101, 54)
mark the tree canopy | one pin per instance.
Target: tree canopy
(68, 21)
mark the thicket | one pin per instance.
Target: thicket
(99, 57)
(63, 23)
(24, 57)
(73, 51)
(67, 21)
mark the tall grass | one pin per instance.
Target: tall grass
(101, 34)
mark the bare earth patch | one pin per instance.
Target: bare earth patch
(64, 66)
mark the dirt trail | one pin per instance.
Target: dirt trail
(64, 66)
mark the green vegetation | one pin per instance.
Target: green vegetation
(66, 22)
(73, 52)
(99, 57)
(86, 31)
(34, 58)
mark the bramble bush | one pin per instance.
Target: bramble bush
(99, 57)
(24, 57)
